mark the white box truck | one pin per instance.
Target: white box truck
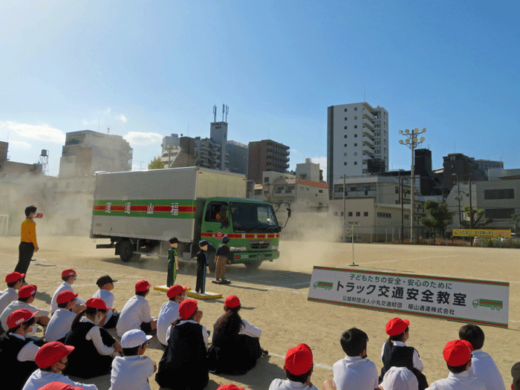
(140, 211)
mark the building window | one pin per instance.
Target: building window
(355, 117)
(345, 145)
(345, 127)
(320, 191)
(355, 108)
(345, 154)
(355, 144)
(355, 135)
(350, 213)
(355, 153)
(508, 193)
(345, 136)
(365, 213)
(266, 179)
(345, 110)
(355, 162)
(499, 213)
(346, 118)
(355, 126)
(345, 163)
(358, 213)
(396, 189)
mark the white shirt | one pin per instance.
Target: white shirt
(204, 331)
(280, 384)
(417, 362)
(16, 305)
(108, 298)
(131, 373)
(39, 378)
(94, 335)
(6, 297)
(250, 330)
(462, 381)
(168, 313)
(28, 352)
(63, 287)
(135, 312)
(355, 373)
(483, 368)
(59, 325)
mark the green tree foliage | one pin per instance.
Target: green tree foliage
(439, 216)
(156, 163)
(515, 221)
(475, 217)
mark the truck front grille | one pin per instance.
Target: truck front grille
(259, 244)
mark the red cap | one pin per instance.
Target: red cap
(13, 277)
(232, 301)
(457, 352)
(27, 291)
(18, 317)
(68, 272)
(59, 386)
(187, 308)
(231, 386)
(142, 285)
(97, 303)
(52, 353)
(396, 326)
(65, 296)
(298, 360)
(175, 290)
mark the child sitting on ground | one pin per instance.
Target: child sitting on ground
(298, 369)
(457, 354)
(61, 320)
(106, 285)
(131, 372)
(14, 281)
(483, 366)
(169, 311)
(52, 360)
(68, 276)
(136, 312)
(395, 353)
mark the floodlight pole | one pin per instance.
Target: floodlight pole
(353, 239)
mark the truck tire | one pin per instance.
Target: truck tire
(253, 264)
(126, 252)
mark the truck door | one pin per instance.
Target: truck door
(217, 220)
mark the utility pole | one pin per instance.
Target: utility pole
(344, 209)
(402, 205)
(470, 206)
(458, 195)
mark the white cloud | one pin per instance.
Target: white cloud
(323, 164)
(19, 145)
(121, 117)
(294, 151)
(143, 139)
(107, 111)
(41, 132)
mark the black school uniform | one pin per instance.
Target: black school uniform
(394, 356)
(85, 361)
(184, 364)
(15, 372)
(202, 262)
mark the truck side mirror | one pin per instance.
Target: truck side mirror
(289, 212)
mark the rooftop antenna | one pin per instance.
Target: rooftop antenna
(227, 112)
(44, 161)
(223, 110)
(108, 130)
(214, 113)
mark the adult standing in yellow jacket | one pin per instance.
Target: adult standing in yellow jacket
(28, 242)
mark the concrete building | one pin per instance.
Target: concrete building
(356, 134)
(238, 157)
(458, 166)
(86, 152)
(11, 167)
(170, 142)
(267, 155)
(501, 173)
(309, 171)
(181, 155)
(484, 165)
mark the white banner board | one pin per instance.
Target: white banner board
(482, 302)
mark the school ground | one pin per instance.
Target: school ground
(274, 298)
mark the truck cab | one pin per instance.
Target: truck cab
(250, 225)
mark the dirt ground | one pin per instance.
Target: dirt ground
(274, 298)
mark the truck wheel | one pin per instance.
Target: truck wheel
(253, 264)
(126, 252)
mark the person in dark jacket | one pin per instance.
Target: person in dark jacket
(17, 353)
(94, 346)
(221, 258)
(235, 346)
(202, 266)
(184, 364)
(395, 353)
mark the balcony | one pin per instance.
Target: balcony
(368, 124)
(368, 150)
(367, 114)
(368, 141)
(368, 132)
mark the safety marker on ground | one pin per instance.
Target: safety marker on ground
(205, 296)
(164, 288)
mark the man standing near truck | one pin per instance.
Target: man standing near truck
(28, 244)
(202, 266)
(173, 262)
(221, 257)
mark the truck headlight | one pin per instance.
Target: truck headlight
(274, 247)
(238, 249)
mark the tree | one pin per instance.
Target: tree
(475, 217)
(515, 220)
(439, 216)
(156, 163)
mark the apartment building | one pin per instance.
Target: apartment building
(267, 155)
(356, 133)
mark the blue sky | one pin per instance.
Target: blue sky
(150, 68)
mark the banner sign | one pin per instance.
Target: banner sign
(481, 233)
(481, 302)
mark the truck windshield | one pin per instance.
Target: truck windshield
(252, 217)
